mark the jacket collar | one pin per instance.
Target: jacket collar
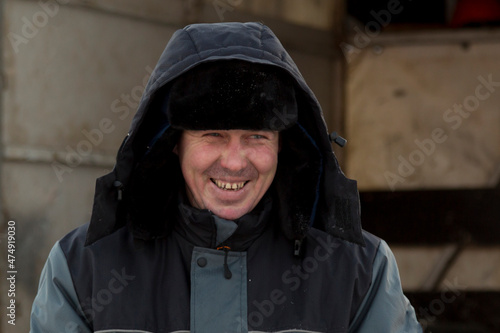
(202, 228)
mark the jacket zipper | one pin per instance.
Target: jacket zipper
(227, 272)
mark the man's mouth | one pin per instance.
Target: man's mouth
(228, 186)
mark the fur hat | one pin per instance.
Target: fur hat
(232, 94)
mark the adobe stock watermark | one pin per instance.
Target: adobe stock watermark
(454, 117)
(222, 6)
(91, 306)
(451, 291)
(32, 26)
(122, 107)
(372, 29)
(282, 119)
(292, 278)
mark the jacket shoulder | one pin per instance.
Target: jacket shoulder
(74, 238)
(366, 252)
(57, 298)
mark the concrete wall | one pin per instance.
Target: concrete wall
(72, 80)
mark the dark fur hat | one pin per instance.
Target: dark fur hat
(232, 94)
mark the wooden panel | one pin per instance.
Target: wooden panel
(433, 217)
(457, 311)
(424, 116)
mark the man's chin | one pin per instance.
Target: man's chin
(230, 213)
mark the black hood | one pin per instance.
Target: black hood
(142, 190)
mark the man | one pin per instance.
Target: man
(226, 210)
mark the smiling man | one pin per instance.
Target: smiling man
(228, 172)
(226, 210)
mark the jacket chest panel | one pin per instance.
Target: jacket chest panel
(269, 290)
(218, 291)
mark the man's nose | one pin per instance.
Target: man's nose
(234, 156)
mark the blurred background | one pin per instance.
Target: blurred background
(414, 86)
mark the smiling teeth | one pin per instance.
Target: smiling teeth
(228, 186)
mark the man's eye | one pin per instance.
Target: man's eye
(258, 136)
(212, 134)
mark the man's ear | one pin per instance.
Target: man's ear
(176, 150)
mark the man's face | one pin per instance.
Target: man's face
(227, 172)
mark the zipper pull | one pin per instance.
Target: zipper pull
(297, 248)
(227, 273)
(119, 187)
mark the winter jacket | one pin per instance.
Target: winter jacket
(149, 262)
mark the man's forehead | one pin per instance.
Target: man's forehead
(235, 130)
(239, 133)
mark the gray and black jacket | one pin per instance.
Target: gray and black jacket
(149, 262)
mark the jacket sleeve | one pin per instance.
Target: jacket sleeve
(385, 307)
(56, 307)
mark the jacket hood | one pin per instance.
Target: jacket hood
(309, 188)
